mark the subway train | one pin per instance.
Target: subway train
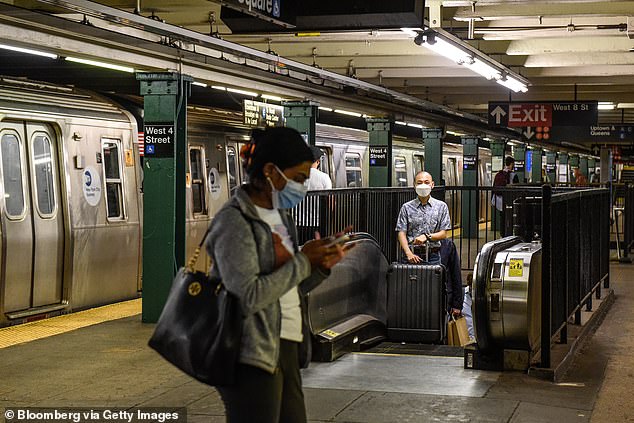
(71, 181)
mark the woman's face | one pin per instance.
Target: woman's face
(299, 173)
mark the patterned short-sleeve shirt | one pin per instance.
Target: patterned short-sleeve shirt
(416, 219)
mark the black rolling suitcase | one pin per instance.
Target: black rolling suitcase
(416, 303)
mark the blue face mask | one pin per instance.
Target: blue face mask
(291, 195)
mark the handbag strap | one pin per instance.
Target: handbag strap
(194, 258)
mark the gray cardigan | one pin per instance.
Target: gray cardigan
(241, 247)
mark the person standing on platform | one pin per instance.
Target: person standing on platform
(422, 223)
(580, 178)
(502, 179)
(318, 180)
(254, 251)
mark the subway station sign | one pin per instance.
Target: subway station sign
(378, 156)
(160, 139)
(262, 114)
(269, 10)
(546, 121)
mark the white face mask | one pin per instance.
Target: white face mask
(423, 190)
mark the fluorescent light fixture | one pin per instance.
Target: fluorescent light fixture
(457, 134)
(398, 122)
(29, 51)
(346, 112)
(271, 97)
(484, 69)
(487, 139)
(199, 84)
(625, 105)
(451, 47)
(219, 87)
(243, 92)
(325, 109)
(605, 105)
(415, 125)
(444, 48)
(512, 84)
(100, 64)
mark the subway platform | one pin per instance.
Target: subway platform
(100, 358)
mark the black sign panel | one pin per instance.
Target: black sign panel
(550, 167)
(311, 16)
(519, 166)
(547, 121)
(612, 133)
(160, 139)
(378, 156)
(267, 10)
(262, 114)
(469, 162)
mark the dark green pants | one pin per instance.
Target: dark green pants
(259, 396)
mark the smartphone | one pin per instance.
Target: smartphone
(341, 240)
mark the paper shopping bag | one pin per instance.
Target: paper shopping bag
(457, 333)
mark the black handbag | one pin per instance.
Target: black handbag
(200, 327)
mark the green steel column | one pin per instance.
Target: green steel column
(551, 166)
(380, 157)
(536, 164)
(564, 160)
(165, 119)
(606, 165)
(302, 116)
(592, 164)
(497, 156)
(432, 139)
(592, 167)
(469, 218)
(573, 161)
(583, 166)
(519, 154)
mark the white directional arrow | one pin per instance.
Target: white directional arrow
(528, 133)
(498, 112)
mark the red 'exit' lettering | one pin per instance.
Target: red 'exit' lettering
(530, 115)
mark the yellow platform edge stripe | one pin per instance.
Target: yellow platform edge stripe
(31, 331)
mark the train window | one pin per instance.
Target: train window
(419, 164)
(114, 182)
(353, 170)
(232, 166)
(43, 170)
(400, 171)
(197, 180)
(12, 175)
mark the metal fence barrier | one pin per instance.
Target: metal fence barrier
(573, 225)
(375, 211)
(574, 228)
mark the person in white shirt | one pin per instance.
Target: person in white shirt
(318, 179)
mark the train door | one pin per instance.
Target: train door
(325, 162)
(419, 164)
(353, 170)
(234, 172)
(32, 220)
(400, 171)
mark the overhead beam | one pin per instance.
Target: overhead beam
(506, 10)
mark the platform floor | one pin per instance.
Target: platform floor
(109, 365)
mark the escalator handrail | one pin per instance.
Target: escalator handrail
(480, 282)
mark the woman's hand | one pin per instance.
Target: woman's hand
(321, 252)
